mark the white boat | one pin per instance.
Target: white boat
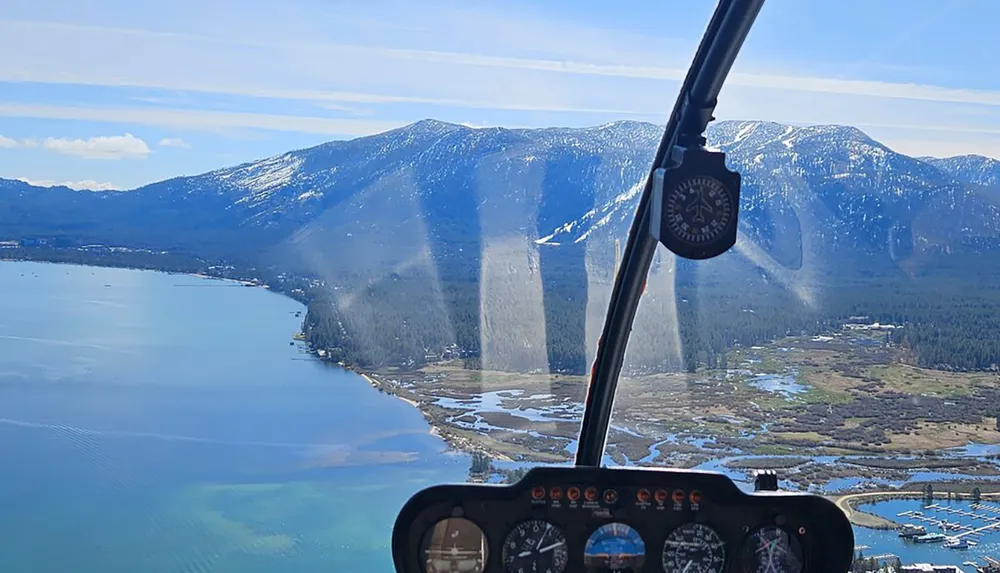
(956, 543)
(908, 530)
(929, 538)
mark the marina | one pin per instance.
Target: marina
(983, 518)
(957, 533)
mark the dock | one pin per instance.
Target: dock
(988, 514)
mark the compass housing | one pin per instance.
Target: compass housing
(695, 204)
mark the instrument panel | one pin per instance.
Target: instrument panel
(582, 520)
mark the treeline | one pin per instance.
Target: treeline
(132, 259)
(411, 322)
(947, 317)
(944, 321)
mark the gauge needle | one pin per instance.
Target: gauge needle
(541, 537)
(551, 547)
(524, 554)
(686, 567)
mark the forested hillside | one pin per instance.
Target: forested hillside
(497, 246)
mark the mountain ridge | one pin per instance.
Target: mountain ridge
(440, 227)
(287, 194)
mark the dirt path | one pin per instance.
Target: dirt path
(863, 519)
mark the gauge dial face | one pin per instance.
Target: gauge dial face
(771, 549)
(454, 545)
(614, 547)
(535, 546)
(694, 548)
(698, 210)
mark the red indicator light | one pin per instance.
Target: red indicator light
(661, 495)
(679, 496)
(555, 493)
(642, 495)
(695, 497)
(590, 494)
(573, 493)
(538, 492)
(610, 496)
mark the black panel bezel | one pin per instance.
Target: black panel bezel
(826, 537)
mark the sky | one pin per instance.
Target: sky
(117, 94)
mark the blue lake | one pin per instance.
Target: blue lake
(153, 422)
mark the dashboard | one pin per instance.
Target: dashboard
(585, 519)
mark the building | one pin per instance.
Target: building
(928, 568)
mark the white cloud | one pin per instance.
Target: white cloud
(439, 61)
(84, 185)
(174, 142)
(125, 146)
(199, 119)
(428, 75)
(7, 142)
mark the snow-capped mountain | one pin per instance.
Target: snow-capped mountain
(450, 192)
(835, 184)
(501, 242)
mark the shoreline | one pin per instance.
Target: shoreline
(452, 439)
(468, 441)
(849, 504)
(241, 282)
(380, 386)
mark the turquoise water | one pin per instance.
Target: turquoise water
(162, 423)
(909, 552)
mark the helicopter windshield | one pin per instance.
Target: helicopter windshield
(256, 298)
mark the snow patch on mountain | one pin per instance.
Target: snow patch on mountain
(863, 186)
(262, 178)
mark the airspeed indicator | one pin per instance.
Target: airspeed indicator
(694, 548)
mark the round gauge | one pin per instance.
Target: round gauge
(698, 210)
(454, 545)
(694, 548)
(614, 547)
(535, 546)
(771, 549)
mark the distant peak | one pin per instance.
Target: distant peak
(626, 124)
(968, 157)
(432, 125)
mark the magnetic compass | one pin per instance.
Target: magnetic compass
(695, 204)
(698, 210)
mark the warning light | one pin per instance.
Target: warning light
(590, 494)
(661, 495)
(610, 496)
(555, 493)
(573, 493)
(679, 496)
(538, 492)
(695, 497)
(642, 495)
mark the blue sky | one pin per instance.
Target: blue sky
(120, 93)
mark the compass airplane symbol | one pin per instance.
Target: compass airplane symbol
(700, 207)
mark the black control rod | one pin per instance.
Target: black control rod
(726, 32)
